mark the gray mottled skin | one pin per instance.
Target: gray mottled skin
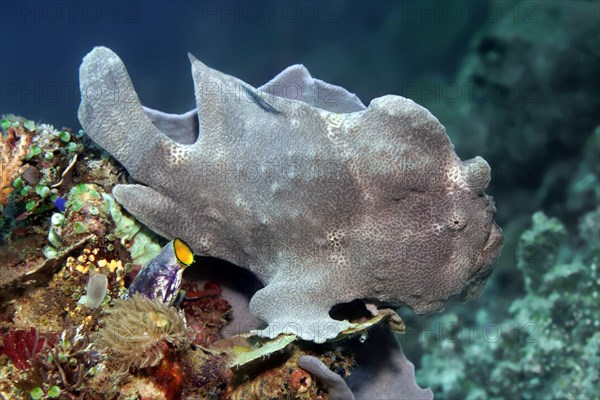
(324, 207)
(383, 372)
(336, 386)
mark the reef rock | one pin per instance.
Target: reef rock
(529, 93)
(326, 201)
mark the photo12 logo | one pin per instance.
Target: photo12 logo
(489, 332)
(70, 12)
(269, 11)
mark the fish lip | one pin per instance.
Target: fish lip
(489, 254)
(491, 205)
(483, 266)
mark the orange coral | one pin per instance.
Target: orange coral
(14, 146)
(300, 380)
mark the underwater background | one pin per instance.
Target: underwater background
(516, 82)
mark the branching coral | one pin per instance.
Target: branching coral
(14, 146)
(139, 332)
(21, 346)
(60, 369)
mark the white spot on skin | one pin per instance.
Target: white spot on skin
(333, 123)
(454, 175)
(437, 228)
(239, 202)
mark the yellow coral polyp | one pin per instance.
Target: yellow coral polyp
(82, 268)
(158, 319)
(113, 265)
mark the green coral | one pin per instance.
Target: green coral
(37, 393)
(128, 230)
(33, 152)
(89, 199)
(60, 370)
(29, 125)
(5, 123)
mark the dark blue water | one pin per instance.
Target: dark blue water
(370, 47)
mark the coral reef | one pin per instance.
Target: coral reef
(45, 268)
(207, 375)
(527, 103)
(138, 240)
(62, 368)
(46, 173)
(163, 382)
(285, 379)
(52, 365)
(58, 343)
(45, 176)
